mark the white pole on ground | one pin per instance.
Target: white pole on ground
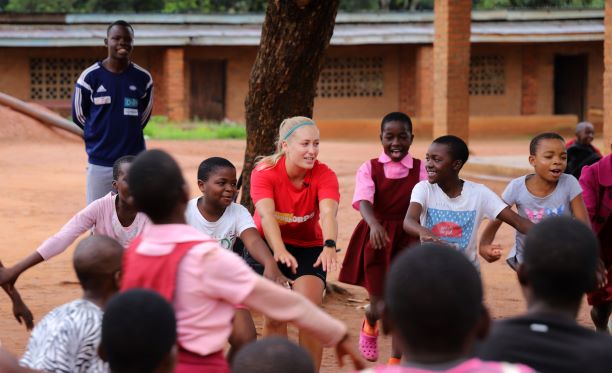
(41, 115)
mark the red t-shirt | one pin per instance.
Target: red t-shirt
(296, 209)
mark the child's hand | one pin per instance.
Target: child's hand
(287, 259)
(378, 237)
(490, 253)
(601, 274)
(427, 236)
(22, 314)
(272, 273)
(345, 348)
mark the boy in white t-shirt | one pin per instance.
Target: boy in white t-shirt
(217, 215)
(447, 209)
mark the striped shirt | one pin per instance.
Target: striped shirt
(66, 340)
(112, 109)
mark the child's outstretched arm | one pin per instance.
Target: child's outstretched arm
(285, 305)
(20, 310)
(413, 226)
(518, 222)
(8, 276)
(265, 208)
(378, 235)
(488, 250)
(579, 210)
(260, 252)
(54, 245)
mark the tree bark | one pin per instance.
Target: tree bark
(295, 36)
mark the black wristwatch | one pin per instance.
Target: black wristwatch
(331, 244)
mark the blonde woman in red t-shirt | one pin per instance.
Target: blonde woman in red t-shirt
(296, 203)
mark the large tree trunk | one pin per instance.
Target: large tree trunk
(283, 81)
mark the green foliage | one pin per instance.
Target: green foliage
(243, 6)
(535, 4)
(37, 6)
(160, 128)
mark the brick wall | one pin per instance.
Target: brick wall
(529, 80)
(407, 79)
(365, 107)
(174, 83)
(508, 103)
(424, 81)
(451, 67)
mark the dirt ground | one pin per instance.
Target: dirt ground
(43, 185)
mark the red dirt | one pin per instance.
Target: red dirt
(44, 185)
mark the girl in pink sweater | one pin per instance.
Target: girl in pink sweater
(110, 215)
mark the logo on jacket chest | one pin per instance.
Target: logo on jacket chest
(130, 106)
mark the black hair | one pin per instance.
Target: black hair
(396, 116)
(433, 297)
(457, 148)
(96, 260)
(273, 355)
(121, 23)
(533, 145)
(210, 165)
(138, 331)
(156, 183)
(560, 259)
(119, 162)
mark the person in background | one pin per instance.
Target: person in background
(112, 103)
(580, 151)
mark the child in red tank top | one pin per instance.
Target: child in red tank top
(382, 195)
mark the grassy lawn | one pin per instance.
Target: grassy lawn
(160, 128)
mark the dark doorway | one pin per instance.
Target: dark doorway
(207, 89)
(570, 84)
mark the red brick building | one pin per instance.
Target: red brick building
(525, 67)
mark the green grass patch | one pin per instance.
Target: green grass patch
(159, 128)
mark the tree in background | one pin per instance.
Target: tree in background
(294, 38)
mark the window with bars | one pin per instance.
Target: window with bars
(352, 77)
(54, 78)
(487, 75)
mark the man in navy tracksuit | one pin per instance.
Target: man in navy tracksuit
(112, 103)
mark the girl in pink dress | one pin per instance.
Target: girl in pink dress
(382, 194)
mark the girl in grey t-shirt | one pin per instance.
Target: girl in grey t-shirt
(547, 192)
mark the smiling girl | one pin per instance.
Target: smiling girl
(382, 194)
(546, 192)
(296, 201)
(448, 209)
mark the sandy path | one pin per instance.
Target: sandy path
(43, 185)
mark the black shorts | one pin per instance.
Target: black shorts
(305, 256)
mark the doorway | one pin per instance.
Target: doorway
(207, 89)
(570, 83)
